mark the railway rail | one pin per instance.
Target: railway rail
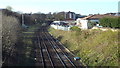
(51, 54)
(63, 54)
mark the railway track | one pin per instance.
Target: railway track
(68, 61)
(51, 55)
(67, 53)
(45, 53)
(54, 58)
(48, 53)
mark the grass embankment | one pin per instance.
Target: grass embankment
(95, 47)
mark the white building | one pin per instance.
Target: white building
(60, 25)
(89, 21)
(82, 23)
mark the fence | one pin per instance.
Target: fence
(60, 27)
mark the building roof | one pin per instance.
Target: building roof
(99, 16)
(71, 12)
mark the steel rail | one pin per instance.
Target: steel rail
(57, 53)
(48, 53)
(62, 51)
(43, 61)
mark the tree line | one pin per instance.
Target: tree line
(112, 22)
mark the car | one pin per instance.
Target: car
(76, 58)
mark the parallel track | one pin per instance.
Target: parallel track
(52, 55)
(68, 62)
(63, 54)
(49, 53)
(56, 56)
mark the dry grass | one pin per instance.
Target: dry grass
(96, 48)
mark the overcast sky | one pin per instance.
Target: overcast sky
(83, 7)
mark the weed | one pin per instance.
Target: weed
(95, 47)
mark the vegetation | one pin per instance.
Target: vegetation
(95, 47)
(58, 16)
(110, 22)
(10, 31)
(10, 35)
(75, 28)
(17, 44)
(26, 50)
(26, 58)
(9, 8)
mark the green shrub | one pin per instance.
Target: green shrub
(110, 22)
(75, 28)
(95, 47)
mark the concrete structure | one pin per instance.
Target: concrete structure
(82, 23)
(0, 37)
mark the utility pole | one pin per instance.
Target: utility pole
(23, 20)
(35, 21)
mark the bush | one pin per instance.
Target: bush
(95, 47)
(110, 22)
(10, 32)
(75, 28)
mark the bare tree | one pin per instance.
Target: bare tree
(10, 32)
(9, 8)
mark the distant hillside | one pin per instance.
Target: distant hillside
(95, 47)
